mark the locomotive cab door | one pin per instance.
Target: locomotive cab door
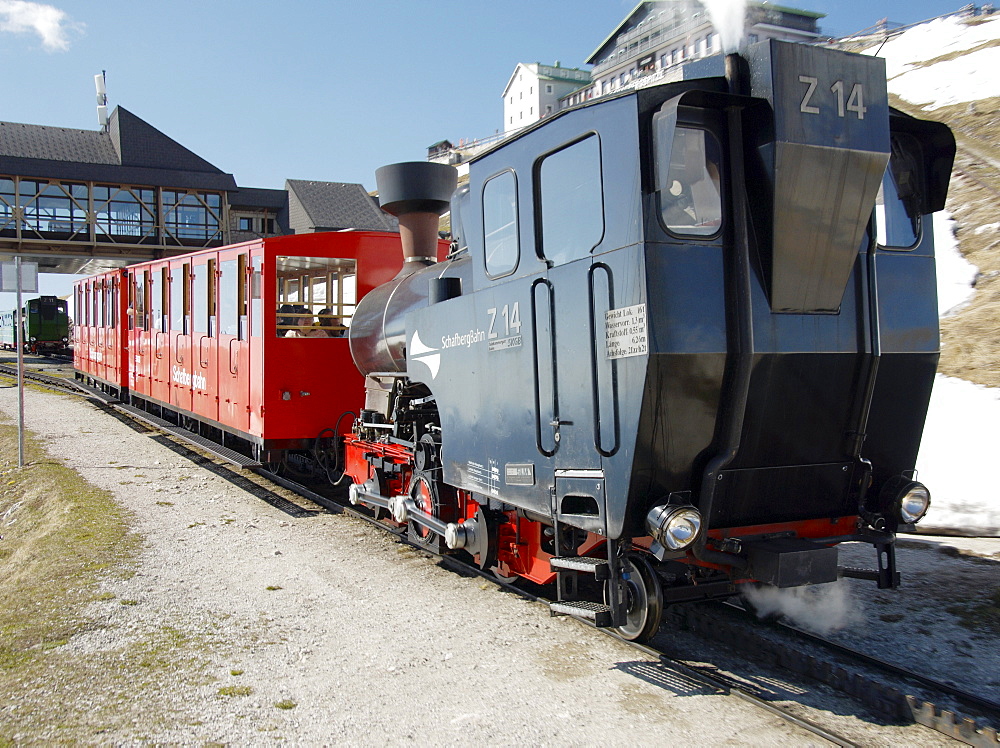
(570, 209)
(568, 194)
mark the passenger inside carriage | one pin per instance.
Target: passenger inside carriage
(326, 326)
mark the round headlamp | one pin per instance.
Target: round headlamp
(32, 338)
(674, 527)
(913, 501)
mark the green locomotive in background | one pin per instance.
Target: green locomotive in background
(46, 326)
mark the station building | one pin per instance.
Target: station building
(83, 201)
(658, 35)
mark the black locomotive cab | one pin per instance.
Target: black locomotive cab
(690, 329)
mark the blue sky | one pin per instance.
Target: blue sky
(313, 90)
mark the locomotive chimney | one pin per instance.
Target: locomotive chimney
(737, 75)
(417, 193)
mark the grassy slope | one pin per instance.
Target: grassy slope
(970, 343)
(61, 537)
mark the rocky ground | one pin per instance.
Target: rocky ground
(243, 621)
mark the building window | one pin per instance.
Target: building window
(268, 225)
(191, 217)
(246, 223)
(548, 88)
(571, 200)
(125, 213)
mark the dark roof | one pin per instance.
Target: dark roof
(340, 205)
(56, 144)
(256, 197)
(129, 151)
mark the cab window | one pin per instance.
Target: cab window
(688, 181)
(571, 201)
(500, 224)
(897, 217)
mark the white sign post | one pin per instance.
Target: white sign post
(19, 277)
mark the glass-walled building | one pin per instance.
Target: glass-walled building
(88, 200)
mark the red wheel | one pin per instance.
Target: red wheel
(423, 495)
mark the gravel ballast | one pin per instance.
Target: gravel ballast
(244, 623)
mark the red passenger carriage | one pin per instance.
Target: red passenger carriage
(246, 344)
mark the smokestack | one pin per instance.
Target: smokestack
(417, 193)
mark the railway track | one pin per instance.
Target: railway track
(890, 691)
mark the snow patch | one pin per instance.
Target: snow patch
(955, 274)
(966, 78)
(961, 441)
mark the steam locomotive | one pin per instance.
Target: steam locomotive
(683, 339)
(686, 339)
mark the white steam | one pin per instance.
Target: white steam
(820, 608)
(50, 23)
(729, 19)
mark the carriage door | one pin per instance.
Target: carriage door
(234, 349)
(141, 348)
(204, 353)
(257, 341)
(159, 337)
(181, 355)
(96, 339)
(109, 353)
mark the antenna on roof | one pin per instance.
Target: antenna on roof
(100, 82)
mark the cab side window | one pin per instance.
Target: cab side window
(897, 217)
(570, 199)
(500, 224)
(688, 181)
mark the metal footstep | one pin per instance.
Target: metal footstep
(596, 566)
(599, 613)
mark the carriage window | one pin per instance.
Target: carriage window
(241, 301)
(157, 300)
(229, 296)
(500, 224)
(213, 308)
(571, 200)
(139, 300)
(179, 298)
(256, 297)
(315, 296)
(688, 181)
(200, 296)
